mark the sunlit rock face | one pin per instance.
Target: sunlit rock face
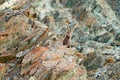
(17, 32)
(28, 27)
(58, 63)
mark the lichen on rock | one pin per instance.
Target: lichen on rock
(32, 34)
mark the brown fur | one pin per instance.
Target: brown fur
(67, 39)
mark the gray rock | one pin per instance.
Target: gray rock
(88, 50)
(103, 38)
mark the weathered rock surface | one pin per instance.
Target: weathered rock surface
(3, 69)
(30, 49)
(18, 33)
(56, 63)
(53, 63)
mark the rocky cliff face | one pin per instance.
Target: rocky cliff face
(32, 34)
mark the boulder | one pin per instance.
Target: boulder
(54, 63)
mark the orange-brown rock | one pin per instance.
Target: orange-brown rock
(109, 60)
(3, 69)
(34, 55)
(58, 63)
(28, 13)
(18, 33)
(80, 55)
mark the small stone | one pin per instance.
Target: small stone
(32, 78)
(88, 50)
(99, 31)
(110, 60)
(22, 53)
(80, 55)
